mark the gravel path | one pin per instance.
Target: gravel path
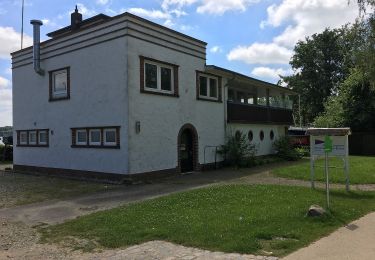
(19, 241)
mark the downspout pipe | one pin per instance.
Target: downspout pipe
(36, 46)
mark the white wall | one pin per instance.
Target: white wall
(263, 147)
(161, 117)
(98, 98)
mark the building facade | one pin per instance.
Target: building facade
(118, 97)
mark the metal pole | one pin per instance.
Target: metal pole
(347, 164)
(312, 162)
(23, 4)
(327, 178)
(299, 110)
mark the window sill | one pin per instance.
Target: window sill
(32, 145)
(58, 99)
(97, 146)
(159, 93)
(208, 99)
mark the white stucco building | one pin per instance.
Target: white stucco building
(120, 97)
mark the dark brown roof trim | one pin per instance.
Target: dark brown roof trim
(159, 26)
(113, 18)
(94, 19)
(95, 43)
(46, 52)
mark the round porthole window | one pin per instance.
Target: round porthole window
(237, 135)
(272, 135)
(261, 135)
(250, 135)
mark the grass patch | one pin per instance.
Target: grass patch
(255, 219)
(361, 170)
(20, 189)
(5, 162)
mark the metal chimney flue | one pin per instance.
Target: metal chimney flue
(36, 46)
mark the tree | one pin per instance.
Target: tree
(354, 104)
(363, 4)
(320, 65)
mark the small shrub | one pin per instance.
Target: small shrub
(6, 155)
(237, 151)
(285, 150)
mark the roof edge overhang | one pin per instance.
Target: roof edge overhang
(102, 18)
(246, 79)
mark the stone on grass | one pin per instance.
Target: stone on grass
(315, 211)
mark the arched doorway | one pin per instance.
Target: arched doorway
(187, 149)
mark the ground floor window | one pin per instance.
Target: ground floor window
(33, 138)
(96, 137)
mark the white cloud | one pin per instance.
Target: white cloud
(300, 18)
(267, 72)
(217, 7)
(306, 17)
(185, 27)
(177, 3)
(153, 14)
(11, 41)
(46, 21)
(169, 23)
(4, 83)
(215, 49)
(102, 2)
(260, 53)
(84, 10)
(5, 106)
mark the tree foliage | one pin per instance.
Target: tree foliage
(320, 64)
(354, 104)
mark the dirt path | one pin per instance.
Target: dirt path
(19, 241)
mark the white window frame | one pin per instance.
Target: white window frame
(100, 137)
(158, 77)
(36, 138)
(39, 139)
(81, 131)
(26, 137)
(105, 136)
(59, 94)
(208, 77)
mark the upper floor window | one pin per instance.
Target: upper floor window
(158, 77)
(208, 87)
(59, 84)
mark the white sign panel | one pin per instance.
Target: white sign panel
(339, 145)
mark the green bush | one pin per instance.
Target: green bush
(237, 151)
(285, 150)
(8, 153)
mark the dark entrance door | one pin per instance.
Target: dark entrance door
(186, 151)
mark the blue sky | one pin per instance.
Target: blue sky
(253, 37)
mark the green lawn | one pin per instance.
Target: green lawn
(5, 162)
(362, 170)
(230, 218)
(19, 189)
